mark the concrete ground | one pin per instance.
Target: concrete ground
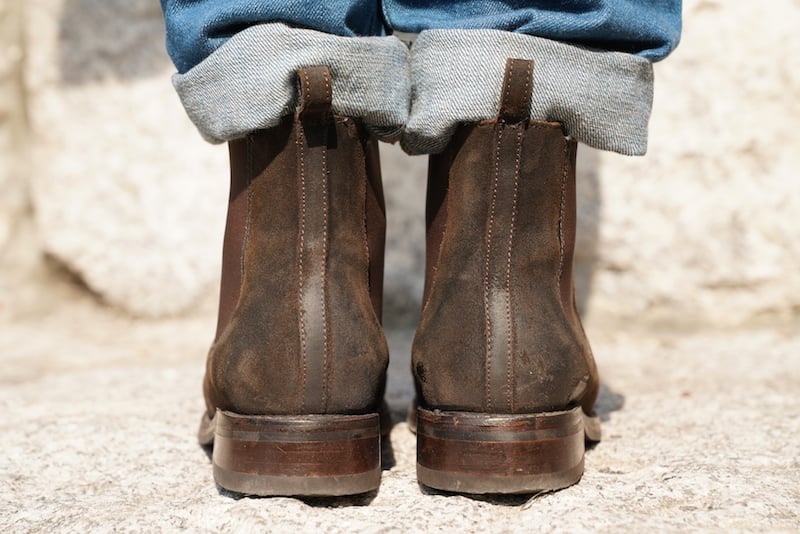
(700, 433)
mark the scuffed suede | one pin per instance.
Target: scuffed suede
(499, 331)
(254, 364)
(262, 361)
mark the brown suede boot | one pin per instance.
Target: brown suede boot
(295, 378)
(505, 378)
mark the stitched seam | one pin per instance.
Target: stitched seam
(301, 252)
(435, 267)
(364, 231)
(510, 378)
(526, 91)
(486, 269)
(504, 104)
(323, 295)
(246, 239)
(538, 125)
(306, 90)
(445, 235)
(327, 81)
(561, 218)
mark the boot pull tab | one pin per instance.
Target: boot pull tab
(316, 92)
(515, 100)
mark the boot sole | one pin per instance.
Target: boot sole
(466, 452)
(309, 455)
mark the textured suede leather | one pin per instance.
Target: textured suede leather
(499, 331)
(299, 325)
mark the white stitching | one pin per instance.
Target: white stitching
(510, 374)
(301, 252)
(323, 296)
(561, 217)
(487, 319)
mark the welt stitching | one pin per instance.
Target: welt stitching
(487, 318)
(301, 251)
(561, 216)
(510, 378)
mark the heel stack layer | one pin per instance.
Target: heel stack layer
(497, 453)
(297, 455)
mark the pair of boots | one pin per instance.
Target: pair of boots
(295, 379)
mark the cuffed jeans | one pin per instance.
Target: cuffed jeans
(593, 73)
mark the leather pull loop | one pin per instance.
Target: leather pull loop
(316, 92)
(515, 100)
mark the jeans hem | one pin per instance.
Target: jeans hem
(601, 98)
(249, 82)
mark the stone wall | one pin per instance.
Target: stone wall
(125, 194)
(703, 229)
(13, 178)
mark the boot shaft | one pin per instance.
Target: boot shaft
(299, 320)
(499, 330)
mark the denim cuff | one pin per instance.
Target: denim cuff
(601, 98)
(249, 82)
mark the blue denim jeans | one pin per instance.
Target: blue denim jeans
(651, 29)
(237, 60)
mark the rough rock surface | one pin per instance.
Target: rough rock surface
(13, 183)
(126, 194)
(702, 228)
(129, 198)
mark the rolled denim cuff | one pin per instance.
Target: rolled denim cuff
(249, 82)
(602, 99)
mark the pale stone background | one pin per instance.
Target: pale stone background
(126, 195)
(111, 213)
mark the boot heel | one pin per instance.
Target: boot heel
(496, 453)
(297, 455)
